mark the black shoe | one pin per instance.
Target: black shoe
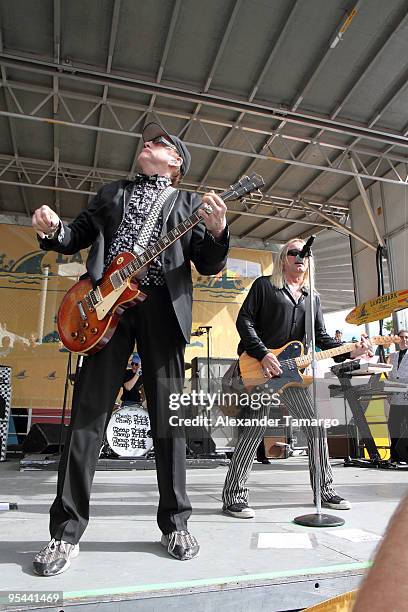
(239, 510)
(181, 545)
(336, 503)
(55, 558)
(264, 461)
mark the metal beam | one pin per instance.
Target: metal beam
(200, 146)
(275, 46)
(405, 132)
(247, 129)
(102, 108)
(389, 34)
(399, 90)
(366, 201)
(13, 136)
(146, 112)
(38, 170)
(319, 66)
(346, 229)
(213, 68)
(83, 74)
(305, 88)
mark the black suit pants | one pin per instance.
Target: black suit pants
(161, 346)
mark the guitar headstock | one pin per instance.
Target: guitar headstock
(246, 185)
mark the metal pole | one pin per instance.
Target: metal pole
(41, 314)
(318, 493)
(318, 519)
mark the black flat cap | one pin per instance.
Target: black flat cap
(153, 130)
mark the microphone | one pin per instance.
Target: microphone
(197, 333)
(305, 252)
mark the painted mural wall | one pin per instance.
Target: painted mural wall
(33, 282)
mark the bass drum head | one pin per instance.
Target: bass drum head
(128, 431)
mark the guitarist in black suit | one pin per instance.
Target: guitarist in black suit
(273, 314)
(161, 326)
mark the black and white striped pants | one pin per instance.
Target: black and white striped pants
(298, 401)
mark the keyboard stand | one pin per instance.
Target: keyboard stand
(356, 396)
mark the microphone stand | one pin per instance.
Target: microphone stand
(64, 404)
(206, 329)
(316, 519)
(69, 377)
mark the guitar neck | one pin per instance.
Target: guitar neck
(162, 244)
(304, 360)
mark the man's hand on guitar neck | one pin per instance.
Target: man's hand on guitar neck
(271, 366)
(364, 347)
(45, 222)
(213, 213)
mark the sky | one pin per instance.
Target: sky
(336, 320)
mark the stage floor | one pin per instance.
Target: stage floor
(241, 565)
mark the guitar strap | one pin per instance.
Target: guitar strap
(148, 226)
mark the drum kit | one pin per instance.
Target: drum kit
(128, 432)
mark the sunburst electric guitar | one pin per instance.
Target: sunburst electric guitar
(292, 360)
(87, 317)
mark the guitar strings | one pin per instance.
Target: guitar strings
(226, 195)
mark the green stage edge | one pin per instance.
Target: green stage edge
(225, 580)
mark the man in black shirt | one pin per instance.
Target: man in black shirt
(272, 315)
(132, 382)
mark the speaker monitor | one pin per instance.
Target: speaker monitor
(44, 438)
(198, 441)
(199, 373)
(221, 438)
(343, 442)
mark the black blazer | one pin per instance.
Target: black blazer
(98, 223)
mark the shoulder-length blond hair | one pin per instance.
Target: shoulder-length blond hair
(278, 275)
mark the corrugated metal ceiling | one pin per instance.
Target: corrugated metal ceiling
(250, 85)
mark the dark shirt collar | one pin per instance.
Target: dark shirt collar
(401, 355)
(153, 179)
(304, 290)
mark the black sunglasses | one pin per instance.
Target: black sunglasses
(294, 252)
(163, 141)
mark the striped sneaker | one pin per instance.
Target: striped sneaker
(55, 558)
(239, 510)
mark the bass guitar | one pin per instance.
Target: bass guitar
(293, 360)
(87, 318)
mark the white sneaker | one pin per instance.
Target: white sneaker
(55, 558)
(239, 510)
(336, 503)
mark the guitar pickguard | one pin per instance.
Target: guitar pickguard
(109, 301)
(290, 376)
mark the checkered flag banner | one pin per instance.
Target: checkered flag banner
(5, 404)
